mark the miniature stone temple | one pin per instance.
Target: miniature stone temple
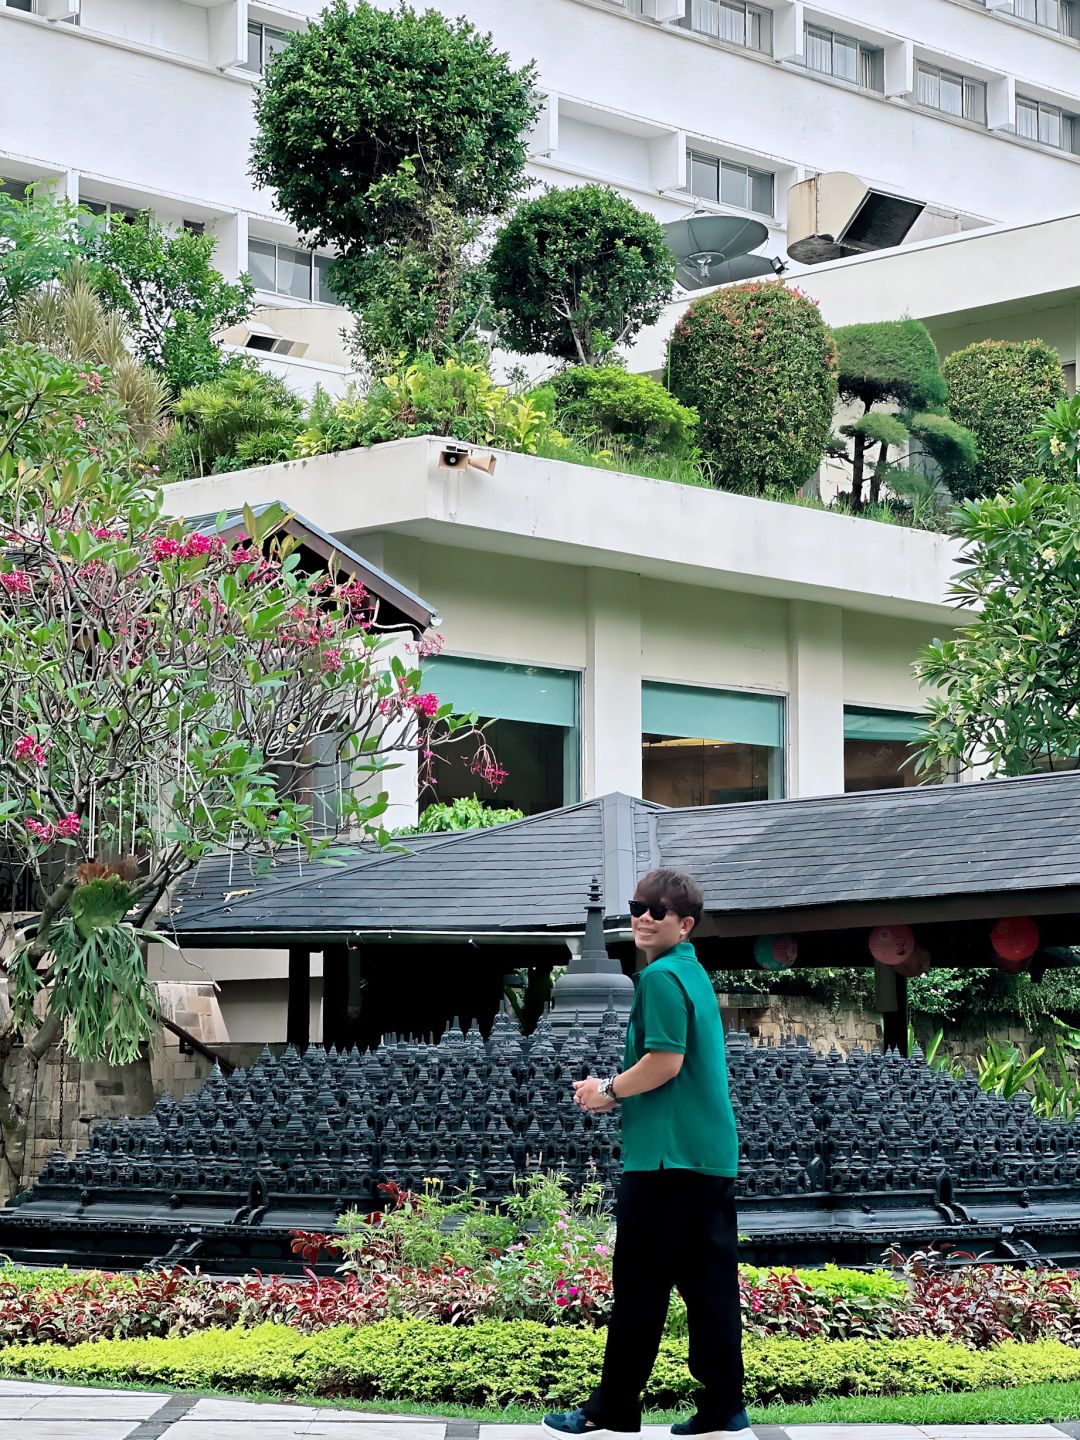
(841, 1158)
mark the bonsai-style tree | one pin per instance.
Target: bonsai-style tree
(170, 294)
(894, 364)
(164, 692)
(1007, 688)
(998, 389)
(394, 136)
(576, 273)
(758, 364)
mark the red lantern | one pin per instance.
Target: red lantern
(917, 963)
(1014, 943)
(776, 952)
(892, 944)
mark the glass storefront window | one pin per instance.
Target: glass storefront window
(878, 749)
(710, 747)
(531, 716)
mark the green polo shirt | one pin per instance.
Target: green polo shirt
(687, 1124)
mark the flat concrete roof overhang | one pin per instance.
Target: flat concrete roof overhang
(576, 515)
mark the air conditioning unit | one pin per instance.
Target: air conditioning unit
(836, 215)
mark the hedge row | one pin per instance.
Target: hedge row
(499, 1363)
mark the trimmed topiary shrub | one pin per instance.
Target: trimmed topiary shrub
(610, 403)
(758, 364)
(998, 389)
(575, 273)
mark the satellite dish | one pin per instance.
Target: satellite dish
(715, 249)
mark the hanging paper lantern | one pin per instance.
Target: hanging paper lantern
(776, 952)
(892, 944)
(917, 963)
(1014, 943)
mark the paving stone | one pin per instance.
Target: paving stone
(854, 1432)
(992, 1432)
(73, 1430)
(123, 1406)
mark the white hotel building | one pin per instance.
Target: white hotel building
(625, 634)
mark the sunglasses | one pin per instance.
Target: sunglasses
(656, 908)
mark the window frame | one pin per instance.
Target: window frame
(749, 174)
(968, 85)
(260, 29)
(750, 13)
(295, 250)
(1068, 123)
(866, 56)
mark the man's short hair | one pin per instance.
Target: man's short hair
(674, 888)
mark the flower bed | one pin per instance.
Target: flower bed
(543, 1259)
(499, 1363)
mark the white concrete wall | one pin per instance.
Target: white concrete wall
(626, 579)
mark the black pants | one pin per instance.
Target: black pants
(674, 1228)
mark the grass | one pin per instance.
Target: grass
(1023, 1405)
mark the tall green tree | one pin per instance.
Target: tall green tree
(1007, 687)
(892, 369)
(576, 273)
(163, 693)
(758, 364)
(172, 297)
(999, 389)
(38, 242)
(393, 136)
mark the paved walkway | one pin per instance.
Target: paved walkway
(32, 1411)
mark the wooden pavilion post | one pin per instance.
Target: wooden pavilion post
(890, 1001)
(298, 1016)
(335, 996)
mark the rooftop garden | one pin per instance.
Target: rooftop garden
(451, 268)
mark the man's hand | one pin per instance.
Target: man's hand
(585, 1095)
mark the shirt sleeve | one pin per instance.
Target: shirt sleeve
(665, 1012)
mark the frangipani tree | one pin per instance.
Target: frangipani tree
(163, 691)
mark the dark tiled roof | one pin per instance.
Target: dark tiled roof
(531, 875)
(927, 841)
(995, 837)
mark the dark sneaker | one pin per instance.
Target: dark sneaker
(576, 1422)
(703, 1429)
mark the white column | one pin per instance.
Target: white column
(816, 704)
(612, 718)
(227, 23)
(789, 32)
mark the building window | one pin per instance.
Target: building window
(950, 93)
(285, 270)
(710, 747)
(531, 718)
(27, 6)
(263, 43)
(733, 21)
(193, 227)
(15, 188)
(878, 749)
(728, 183)
(1060, 15)
(107, 210)
(845, 58)
(1048, 124)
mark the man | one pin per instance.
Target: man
(675, 1211)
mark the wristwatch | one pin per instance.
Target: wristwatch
(606, 1088)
